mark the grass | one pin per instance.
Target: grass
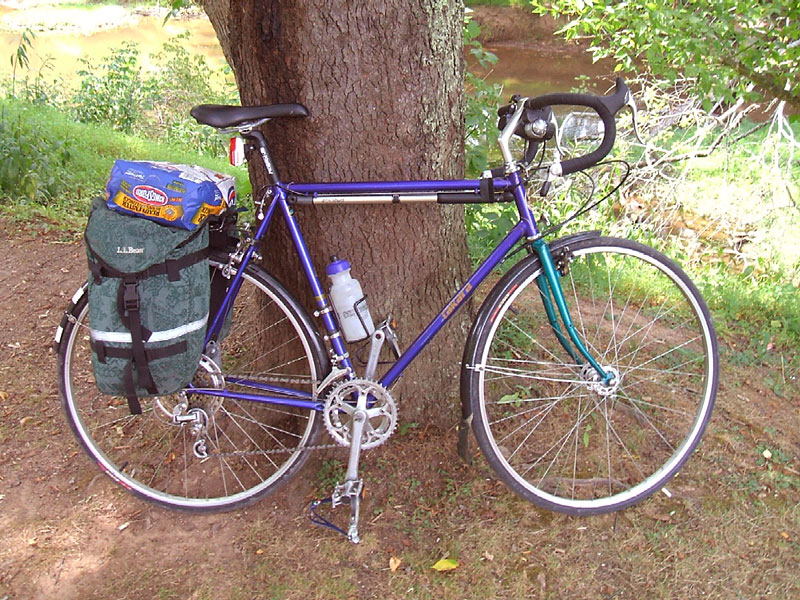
(92, 149)
(730, 529)
(718, 537)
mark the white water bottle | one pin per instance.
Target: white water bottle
(349, 302)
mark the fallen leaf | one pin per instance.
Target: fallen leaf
(394, 564)
(445, 564)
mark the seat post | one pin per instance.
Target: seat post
(258, 139)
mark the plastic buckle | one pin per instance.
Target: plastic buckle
(130, 296)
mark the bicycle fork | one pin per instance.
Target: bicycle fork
(551, 290)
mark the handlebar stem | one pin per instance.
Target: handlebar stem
(507, 133)
(606, 108)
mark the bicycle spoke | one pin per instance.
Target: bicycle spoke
(568, 439)
(200, 451)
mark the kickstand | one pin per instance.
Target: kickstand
(350, 492)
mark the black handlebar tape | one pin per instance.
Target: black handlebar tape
(605, 107)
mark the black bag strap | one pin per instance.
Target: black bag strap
(170, 267)
(129, 310)
(130, 390)
(104, 351)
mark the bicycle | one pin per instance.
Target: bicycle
(588, 377)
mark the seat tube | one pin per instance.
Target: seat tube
(302, 250)
(263, 150)
(320, 298)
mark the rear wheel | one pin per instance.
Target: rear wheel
(551, 429)
(195, 451)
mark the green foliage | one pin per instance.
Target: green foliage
(517, 3)
(29, 84)
(484, 223)
(31, 161)
(764, 307)
(19, 59)
(731, 48)
(184, 80)
(331, 472)
(482, 99)
(117, 92)
(113, 92)
(487, 225)
(92, 149)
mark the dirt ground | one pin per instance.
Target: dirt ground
(730, 530)
(68, 532)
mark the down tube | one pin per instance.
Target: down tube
(456, 302)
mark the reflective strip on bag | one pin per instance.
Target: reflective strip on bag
(122, 337)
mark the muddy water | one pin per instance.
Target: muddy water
(64, 50)
(531, 71)
(524, 70)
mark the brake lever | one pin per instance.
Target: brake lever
(557, 136)
(631, 104)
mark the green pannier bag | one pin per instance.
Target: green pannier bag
(149, 289)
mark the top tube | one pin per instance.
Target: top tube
(382, 187)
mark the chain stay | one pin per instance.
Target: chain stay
(275, 379)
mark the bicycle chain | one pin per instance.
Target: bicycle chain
(276, 450)
(277, 379)
(272, 379)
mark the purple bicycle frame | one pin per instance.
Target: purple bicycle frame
(390, 192)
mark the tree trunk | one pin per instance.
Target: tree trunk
(383, 81)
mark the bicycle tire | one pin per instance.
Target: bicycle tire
(548, 427)
(253, 448)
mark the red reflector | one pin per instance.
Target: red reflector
(236, 152)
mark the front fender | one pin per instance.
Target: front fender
(464, 426)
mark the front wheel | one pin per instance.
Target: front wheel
(199, 452)
(552, 430)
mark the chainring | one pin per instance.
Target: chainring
(342, 403)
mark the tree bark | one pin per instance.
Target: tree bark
(383, 81)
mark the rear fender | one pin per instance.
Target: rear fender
(68, 314)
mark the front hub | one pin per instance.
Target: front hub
(596, 384)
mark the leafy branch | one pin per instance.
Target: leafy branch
(731, 48)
